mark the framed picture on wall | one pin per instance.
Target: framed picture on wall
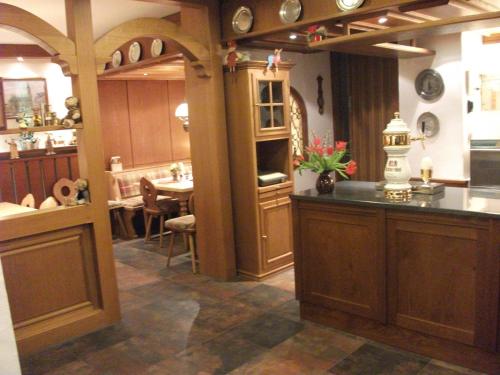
(490, 92)
(22, 95)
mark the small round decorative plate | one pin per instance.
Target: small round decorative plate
(429, 84)
(134, 52)
(242, 20)
(116, 59)
(290, 11)
(428, 124)
(349, 4)
(156, 47)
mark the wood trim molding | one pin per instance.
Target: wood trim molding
(197, 54)
(49, 38)
(26, 51)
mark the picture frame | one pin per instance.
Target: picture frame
(21, 95)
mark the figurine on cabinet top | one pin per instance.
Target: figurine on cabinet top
(232, 56)
(14, 153)
(274, 59)
(74, 116)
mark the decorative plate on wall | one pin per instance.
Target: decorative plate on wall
(428, 124)
(290, 11)
(116, 59)
(242, 20)
(134, 52)
(156, 47)
(429, 84)
(349, 4)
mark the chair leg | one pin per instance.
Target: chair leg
(193, 252)
(149, 221)
(162, 223)
(170, 249)
(186, 241)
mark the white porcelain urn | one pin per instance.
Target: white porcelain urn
(397, 173)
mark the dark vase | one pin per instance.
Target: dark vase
(324, 183)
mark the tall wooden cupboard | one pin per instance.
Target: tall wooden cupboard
(258, 117)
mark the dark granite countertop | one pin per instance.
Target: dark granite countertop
(461, 201)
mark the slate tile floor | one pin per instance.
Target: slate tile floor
(178, 323)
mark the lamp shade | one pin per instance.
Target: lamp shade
(182, 110)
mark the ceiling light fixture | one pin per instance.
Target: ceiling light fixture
(293, 36)
(20, 59)
(382, 20)
(145, 74)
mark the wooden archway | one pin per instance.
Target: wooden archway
(50, 39)
(194, 51)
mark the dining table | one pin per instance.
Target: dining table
(180, 190)
(7, 209)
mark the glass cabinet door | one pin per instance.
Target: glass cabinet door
(270, 102)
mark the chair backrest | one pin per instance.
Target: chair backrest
(28, 201)
(191, 204)
(149, 194)
(50, 202)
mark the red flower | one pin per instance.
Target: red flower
(340, 145)
(312, 29)
(329, 150)
(317, 141)
(351, 168)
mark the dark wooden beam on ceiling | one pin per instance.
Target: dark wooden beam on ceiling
(25, 51)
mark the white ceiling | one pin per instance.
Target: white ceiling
(106, 14)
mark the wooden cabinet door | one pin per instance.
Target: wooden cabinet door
(341, 260)
(443, 277)
(276, 233)
(271, 94)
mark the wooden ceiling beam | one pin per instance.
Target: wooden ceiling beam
(402, 33)
(404, 17)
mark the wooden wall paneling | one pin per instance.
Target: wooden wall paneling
(62, 167)
(7, 183)
(149, 120)
(75, 173)
(49, 176)
(36, 181)
(21, 177)
(113, 103)
(180, 138)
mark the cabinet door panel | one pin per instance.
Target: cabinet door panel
(344, 268)
(149, 122)
(275, 217)
(435, 276)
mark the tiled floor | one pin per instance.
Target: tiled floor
(178, 323)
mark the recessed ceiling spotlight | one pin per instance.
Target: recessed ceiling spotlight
(293, 36)
(382, 20)
(145, 74)
(20, 59)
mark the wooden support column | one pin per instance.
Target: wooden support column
(209, 148)
(90, 150)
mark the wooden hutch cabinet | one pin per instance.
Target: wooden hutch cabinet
(258, 116)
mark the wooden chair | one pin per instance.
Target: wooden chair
(185, 225)
(28, 201)
(155, 208)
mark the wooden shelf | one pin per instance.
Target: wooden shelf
(37, 129)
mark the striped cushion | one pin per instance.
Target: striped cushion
(181, 223)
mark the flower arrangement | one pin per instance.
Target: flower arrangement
(324, 158)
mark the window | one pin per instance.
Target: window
(298, 120)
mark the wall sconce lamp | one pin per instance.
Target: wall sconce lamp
(182, 113)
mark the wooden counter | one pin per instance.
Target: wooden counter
(422, 275)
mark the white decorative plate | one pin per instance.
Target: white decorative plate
(349, 4)
(116, 59)
(290, 11)
(156, 47)
(134, 52)
(242, 20)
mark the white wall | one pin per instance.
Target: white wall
(449, 149)
(303, 79)
(58, 89)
